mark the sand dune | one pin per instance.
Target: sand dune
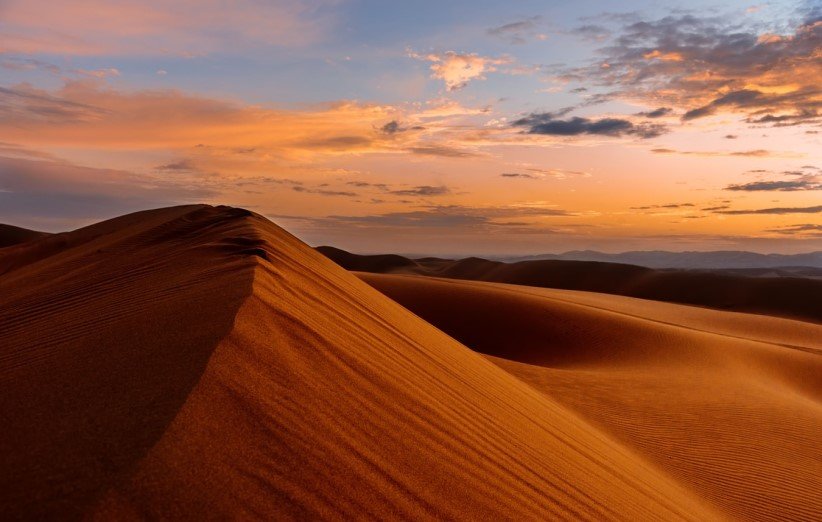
(11, 235)
(794, 297)
(728, 404)
(201, 363)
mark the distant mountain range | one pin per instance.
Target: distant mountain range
(725, 259)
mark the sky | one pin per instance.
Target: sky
(440, 128)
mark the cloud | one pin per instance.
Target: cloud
(157, 27)
(706, 65)
(656, 113)
(60, 195)
(23, 104)
(15, 63)
(773, 211)
(540, 173)
(806, 229)
(783, 186)
(106, 72)
(396, 127)
(669, 206)
(366, 184)
(323, 192)
(177, 166)
(758, 101)
(518, 32)
(87, 112)
(13, 150)
(754, 153)
(447, 216)
(419, 190)
(442, 151)
(223, 135)
(458, 69)
(592, 32)
(518, 175)
(423, 190)
(547, 124)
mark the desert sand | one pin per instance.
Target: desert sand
(792, 297)
(11, 235)
(727, 404)
(201, 363)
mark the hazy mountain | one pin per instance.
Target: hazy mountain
(708, 260)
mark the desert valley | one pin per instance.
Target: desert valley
(472, 260)
(200, 362)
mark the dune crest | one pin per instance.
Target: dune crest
(200, 362)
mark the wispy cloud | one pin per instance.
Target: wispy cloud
(39, 191)
(754, 153)
(155, 27)
(669, 206)
(519, 32)
(542, 173)
(656, 113)
(788, 181)
(805, 229)
(323, 191)
(781, 185)
(89, 112)
(773, 211)
(422, 190)
(450, 216)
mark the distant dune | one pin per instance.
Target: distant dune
(792, 297)
(11, 235)
(721, 259)
(728, 404)
(201, 363)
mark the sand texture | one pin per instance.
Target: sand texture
(729, 405)
(201, 363)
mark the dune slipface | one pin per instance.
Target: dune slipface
(11, 235)
(199, 362)
(729, 404)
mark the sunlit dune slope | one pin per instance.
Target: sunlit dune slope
(729, 404)
(201, 363)
(793, 297)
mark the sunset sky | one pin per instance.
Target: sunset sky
(447, 127)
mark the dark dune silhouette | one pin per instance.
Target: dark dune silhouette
(792, 297)
(11, 235)
(375, 263)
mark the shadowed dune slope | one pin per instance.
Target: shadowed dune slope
(11, 235)
(729, 404)
(104, 332)
(794, 297)
(363, 263)
(201, 363)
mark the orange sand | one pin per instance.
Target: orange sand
(728, 405)
(199, 362)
